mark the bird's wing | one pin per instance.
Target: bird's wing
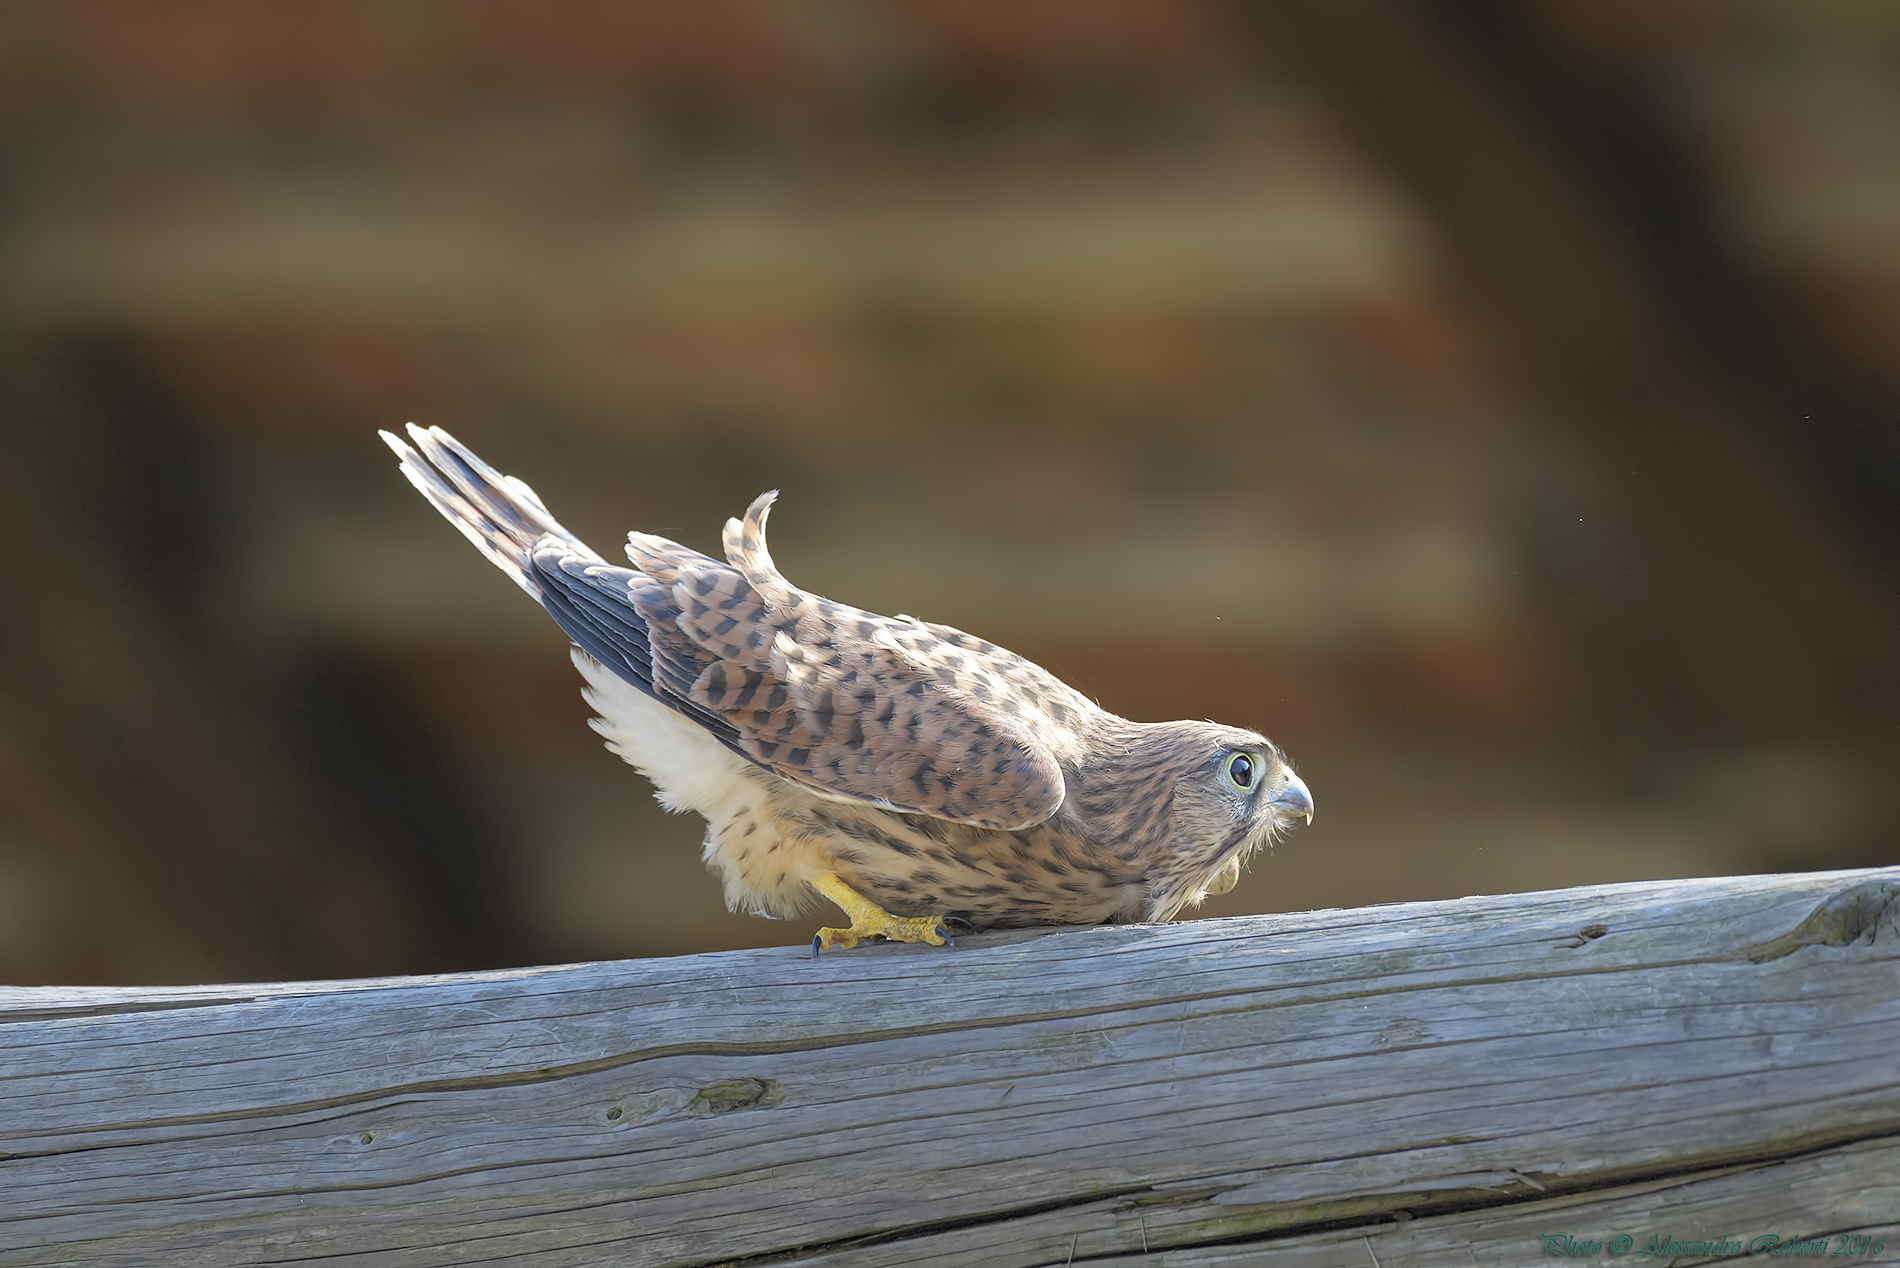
(895, 712)
(898, 713)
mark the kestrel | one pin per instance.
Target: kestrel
(911, 773)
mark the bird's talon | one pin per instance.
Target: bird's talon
(868, 920)
(816, 941)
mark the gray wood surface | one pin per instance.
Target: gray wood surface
(1431, 1083)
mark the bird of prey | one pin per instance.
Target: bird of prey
(911, 773)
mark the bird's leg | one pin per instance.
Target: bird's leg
(868, 920)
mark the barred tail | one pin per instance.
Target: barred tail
(590, 599)
(500, 514)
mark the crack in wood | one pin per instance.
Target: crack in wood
(20, 1017)
(1368, 1210)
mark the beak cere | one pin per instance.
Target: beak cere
(1293, 800)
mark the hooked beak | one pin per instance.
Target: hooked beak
(1293, 800)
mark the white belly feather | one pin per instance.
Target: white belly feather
(763, 872)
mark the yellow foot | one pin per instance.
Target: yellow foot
(868, 920)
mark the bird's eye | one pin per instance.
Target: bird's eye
(1240, 771)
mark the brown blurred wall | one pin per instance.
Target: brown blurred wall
(1498, 410)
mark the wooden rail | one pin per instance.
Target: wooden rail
(1433, 1083)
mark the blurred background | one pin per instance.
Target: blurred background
(1493, 402)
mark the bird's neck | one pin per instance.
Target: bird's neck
(1122, 793)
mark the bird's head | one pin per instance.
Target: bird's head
(1233, 789)
(1203, 788)
(1195, 799)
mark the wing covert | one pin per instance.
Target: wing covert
(831, 697)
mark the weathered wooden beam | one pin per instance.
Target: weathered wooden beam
(1418, 1084)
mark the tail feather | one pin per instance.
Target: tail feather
(590, 599)
(502, 516)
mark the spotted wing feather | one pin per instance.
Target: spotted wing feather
(861, 705)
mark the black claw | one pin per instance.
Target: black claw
(815, 940)
(943, 931)
(966, 926)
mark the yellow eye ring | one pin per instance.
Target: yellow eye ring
(1242, 771)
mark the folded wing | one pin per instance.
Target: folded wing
(894, 712)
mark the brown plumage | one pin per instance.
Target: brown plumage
(932, 773)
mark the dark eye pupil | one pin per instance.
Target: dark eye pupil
(1241, 768)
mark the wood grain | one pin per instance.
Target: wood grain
(1425, 1083)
